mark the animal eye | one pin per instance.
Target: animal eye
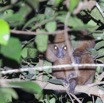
(65, 48)
(55, 47)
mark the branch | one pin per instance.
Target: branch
(56, 67)
(90, 90)
(18, 32)
(87, 89)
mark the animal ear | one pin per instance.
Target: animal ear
(50, 54)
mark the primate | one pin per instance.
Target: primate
(58, 54)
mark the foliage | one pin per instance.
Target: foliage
(43, 18)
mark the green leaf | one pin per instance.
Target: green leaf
(7, 13)
(99, 45)
(99, 69)
(96, 14)
(46, 63)
(19, 18)
(76, 23)
(98, 35)
(73, 4)
(49, 12)
(89, 102)
(92, 23)
(12, 50)
(93, 52)
(6, 95)
(45, 78)
(52, 100)
(56, 81)
(98, 100)
(24, 52)
(51, 26)
(32, 52)
(28, 86)
(101, 52)
(15, 20)
(4, 32)
(13, 1)
(1, 62)
(57, 2)
(34, 4)
(2, 98)
(41, 42)
(40, 17)
(54, 2)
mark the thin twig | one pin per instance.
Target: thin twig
(75, 98)
(18, 32)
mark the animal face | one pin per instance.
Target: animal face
(60, 50)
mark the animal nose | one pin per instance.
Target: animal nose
(60, 54)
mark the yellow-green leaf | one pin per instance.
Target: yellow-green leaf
(4, 32)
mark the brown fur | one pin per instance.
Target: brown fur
(84, 57)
